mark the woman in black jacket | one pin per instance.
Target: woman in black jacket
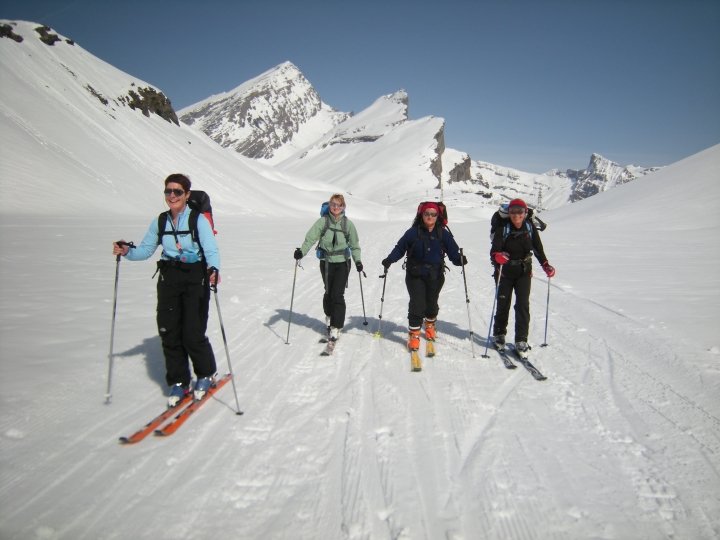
(513, 245)
(425, 243)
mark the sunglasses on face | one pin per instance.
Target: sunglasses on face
(335, 205)
(517, 211)
(430, 214)
(176, 192)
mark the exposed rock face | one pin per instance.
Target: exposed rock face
(263, 114)
(601, 175)
(461, 171)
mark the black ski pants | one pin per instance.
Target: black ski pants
(335, 279)
(424, 292)
(182, 315)
(515, 278)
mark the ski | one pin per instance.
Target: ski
(160, 419)
(329, 348)
(325, 338)
(535, 372)
(415, 362)
(505, 358)
(183, 415)
(430, 349)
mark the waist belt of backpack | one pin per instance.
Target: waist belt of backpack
(337, 252)
(515, 262)
(165, 263)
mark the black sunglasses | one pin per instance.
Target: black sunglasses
(176, 192)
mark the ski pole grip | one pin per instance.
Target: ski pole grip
(122, 243)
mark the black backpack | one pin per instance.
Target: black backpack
(199, 203)
(501, 219)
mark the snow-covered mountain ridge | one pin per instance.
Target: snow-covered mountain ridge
(266, 117)
(294, 113)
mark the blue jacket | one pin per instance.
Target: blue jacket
(426, 250)
(190, 250)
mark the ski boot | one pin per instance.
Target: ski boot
(177, 393)
(522, 348)
(413, 343)
(202, 385)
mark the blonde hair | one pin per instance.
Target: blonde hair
(338, 197)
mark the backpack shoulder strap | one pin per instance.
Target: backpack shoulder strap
(344, 225)
(162, 223)
(192, 225)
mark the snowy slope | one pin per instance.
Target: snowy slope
(57, 136)
(622, 441)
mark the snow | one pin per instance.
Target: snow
(622, 441)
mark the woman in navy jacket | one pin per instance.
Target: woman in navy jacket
(426, 243)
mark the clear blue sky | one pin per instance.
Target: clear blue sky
(529, 84)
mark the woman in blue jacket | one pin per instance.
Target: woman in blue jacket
(426, 243)
(188, 266)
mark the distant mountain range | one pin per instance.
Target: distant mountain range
(279, 117)
(68, 115)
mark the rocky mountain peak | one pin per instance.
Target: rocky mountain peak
(263, 114)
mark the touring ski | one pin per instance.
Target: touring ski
(156, 422)
(329, 348)
(505, 357)
(183, 415)
(535, 372)
(415, 362)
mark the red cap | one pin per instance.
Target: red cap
(517, 202)
(428, 206)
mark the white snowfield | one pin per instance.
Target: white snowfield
(622, 440)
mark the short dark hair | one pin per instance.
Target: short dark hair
(178, 178)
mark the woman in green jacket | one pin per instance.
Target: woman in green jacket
(337, 242)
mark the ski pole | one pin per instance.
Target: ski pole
(292, 298)
(362, 297)
(108, 392)
(227, 352)
(467, 302)
(382, 303)
(492, 313)
(547, 314)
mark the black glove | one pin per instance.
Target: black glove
(386, 263)
(463, 260)
(298, 254)
(359, 266)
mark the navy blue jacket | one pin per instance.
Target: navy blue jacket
(426, 250)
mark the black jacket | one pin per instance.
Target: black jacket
(519, 243)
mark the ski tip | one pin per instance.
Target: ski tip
(124, 440)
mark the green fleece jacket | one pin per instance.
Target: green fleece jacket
(333, 241)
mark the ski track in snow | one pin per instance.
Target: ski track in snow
(354, 445)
